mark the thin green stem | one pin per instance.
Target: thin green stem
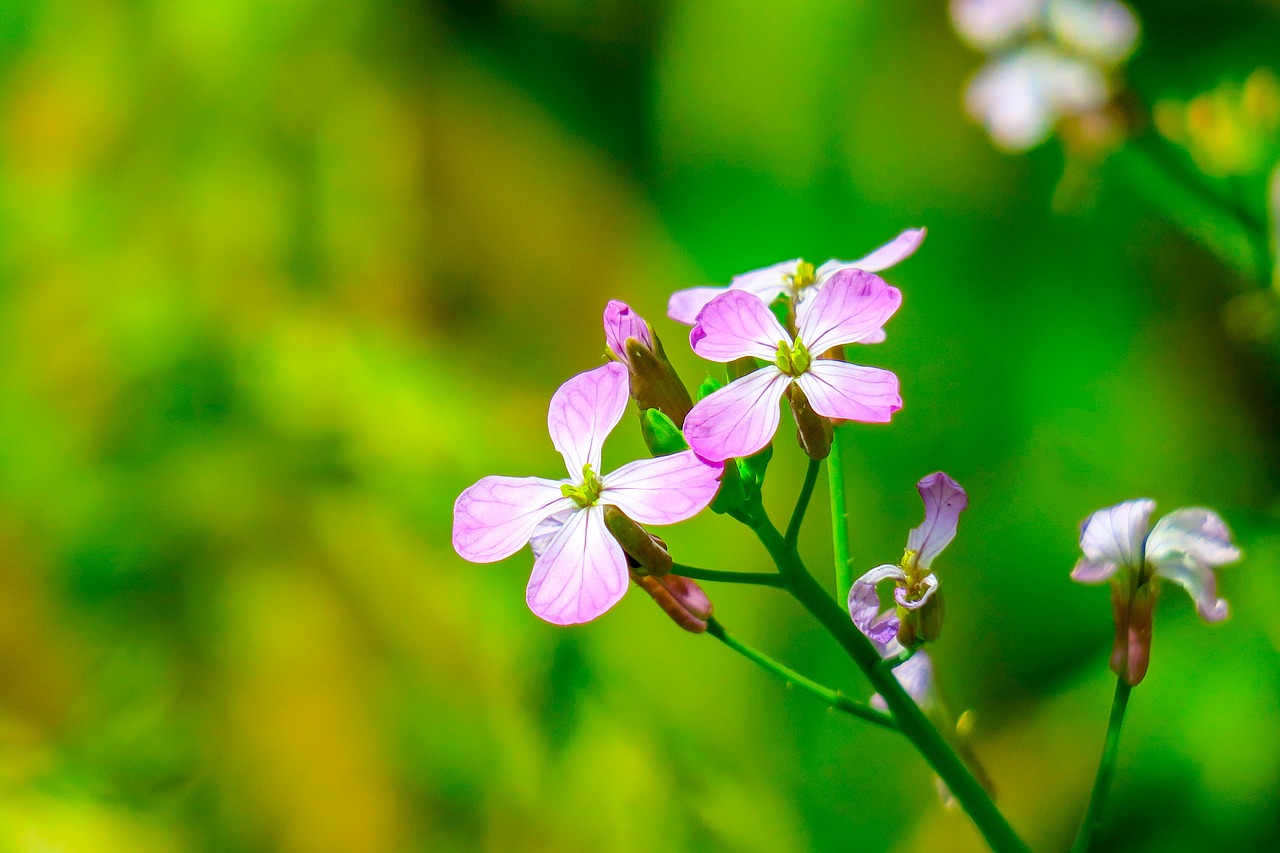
(833, 698)
(757, 578)
(802, 502)
(910, 719)
(1106, 768)
(839, 519)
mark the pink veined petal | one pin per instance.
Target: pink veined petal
(767, 282)
(1116, 535)
(684, 305)
(581, 574)
(547, 530)
(1088, 571)
(851, 392)
(495, 517)
(851, 306)
(621, 323)
(1185, 546)
(737, 324)
(890, 254)
(663, 490)
(740, 418)
(864, 602)
(876, 337)
(944, 500)
(584, 410)
(930, 583)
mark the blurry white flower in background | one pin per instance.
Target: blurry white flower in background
(1052, 60)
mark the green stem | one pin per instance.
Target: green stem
(910, 719)
(802, 502)
(833, 698)
(839, 519)
(1106, 768)
(756, 578)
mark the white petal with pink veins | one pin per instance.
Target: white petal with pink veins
(581, 574)
(851, 392)
(584, 410)
(851, 307)
(495, 517)
(740, 418)
(736, 324)
(663, 490)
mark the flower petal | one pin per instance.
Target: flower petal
(944, 500)
(1113, 537)
(581, 574)
(851, 392)
(621, 323)
(737, 324)
(495, 517)
(894, 252)
(665, 489)
(684, 305)
(767, 282)
(930, 583)
(1185, 546)
(851, 306)
(547, 529)
(584, 410)
(915, 674)
(740, 418)
(864, 602)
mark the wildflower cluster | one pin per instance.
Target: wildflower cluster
(782, 332)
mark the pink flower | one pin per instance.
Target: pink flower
(621, 323)
(795, 277)
(581, 571)
(742, 417)
(1121, 546)
(915, 585)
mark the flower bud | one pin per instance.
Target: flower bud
(646, 551)
(1132, 609)
(680, 598)
(813, 430)
(654, 382)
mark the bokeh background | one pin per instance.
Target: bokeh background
(279, 279)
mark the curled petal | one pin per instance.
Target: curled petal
(1185, 546)
(930, 583)
(584, 410)
(894, 252)
(665, 489)
(621, 323)
(495, 517)
(851, 392)
(581, 574)
(864, 603)
(734, 325)
(740, 418)
(1114, 536)
(944, 500)
(684, 305)
(851, 306)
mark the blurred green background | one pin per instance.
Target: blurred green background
(279, 279)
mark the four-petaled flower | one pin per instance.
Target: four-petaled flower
(742, 417)
(795, 278)
(918, 613)
(1121, 546)
(582, 572)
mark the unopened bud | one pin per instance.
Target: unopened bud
(654, 382)
(680, 598)
(646, 551)
(930, 617)
(813, 430)
(1132, 609)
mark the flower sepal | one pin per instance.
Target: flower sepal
(813, 431)
(646, 554)
(1132, 609)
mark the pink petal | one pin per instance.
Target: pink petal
(894, 252)
(740, 418)
(1113, 538)
(584, 410)
(547, 529)
(737, 324)
(581, 574)
(665, 489)
(1185, 546)
(930, 583)
(851, 306)
(915, 674)
(621, 323)
(495, 517)
(864, 604)
(944, 500)
(684, 305)
(851, 392)
(767, 282)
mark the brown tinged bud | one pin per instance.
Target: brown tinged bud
(741, 367)
(654, 382)
(1132, 608)
(680, 598)
(646, 552)
(813, 430)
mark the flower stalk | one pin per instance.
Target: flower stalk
(1106, 768)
